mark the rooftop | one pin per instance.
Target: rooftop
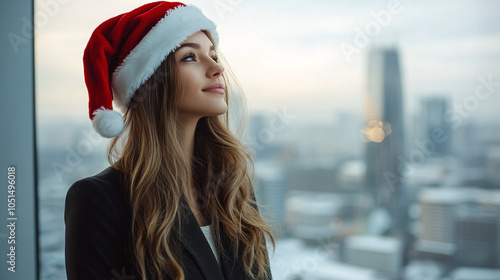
(373, 243)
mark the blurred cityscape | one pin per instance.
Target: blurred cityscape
(380, 197)
(383, 195)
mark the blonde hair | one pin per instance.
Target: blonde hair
(150, 155)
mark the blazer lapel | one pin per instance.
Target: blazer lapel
(195, 242)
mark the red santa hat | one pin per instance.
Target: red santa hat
(124, 52)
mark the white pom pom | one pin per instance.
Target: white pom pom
(107, 123)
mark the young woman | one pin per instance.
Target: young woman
(177, 201)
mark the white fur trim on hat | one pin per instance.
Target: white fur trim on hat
(166, 36)
(107, 123)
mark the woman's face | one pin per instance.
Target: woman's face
(202, 84)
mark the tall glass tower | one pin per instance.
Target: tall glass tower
(433, 112)
(384, 130)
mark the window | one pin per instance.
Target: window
(374, 129)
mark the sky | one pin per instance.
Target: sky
(288, 55)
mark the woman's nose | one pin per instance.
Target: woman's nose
(215, 70)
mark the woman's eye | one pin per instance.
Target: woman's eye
(189, 57)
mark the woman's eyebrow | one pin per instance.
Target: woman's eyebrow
(194, 46)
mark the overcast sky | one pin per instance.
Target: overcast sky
(288, 53)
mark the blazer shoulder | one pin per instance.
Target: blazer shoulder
(104, 190)
(97, 218)
(106, 182)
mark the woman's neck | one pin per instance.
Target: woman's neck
(187, 129)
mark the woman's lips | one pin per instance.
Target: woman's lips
(217, 87)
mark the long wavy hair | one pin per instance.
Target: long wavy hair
(149, 152)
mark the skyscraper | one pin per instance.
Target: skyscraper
(433, 121)
(384, 131)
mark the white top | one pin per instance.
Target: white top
(208, 235)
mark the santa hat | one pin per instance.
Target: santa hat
(124, 52)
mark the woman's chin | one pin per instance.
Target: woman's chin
(220, 111)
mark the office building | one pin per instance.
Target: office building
(476, 237)
(460, 225)
(271, 193)
(380, 253)
(435, 138)
(383, 132)
(312, 215)
(474, 273)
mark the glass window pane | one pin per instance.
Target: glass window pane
(373, 125)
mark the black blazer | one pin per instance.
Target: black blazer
(97, 218)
